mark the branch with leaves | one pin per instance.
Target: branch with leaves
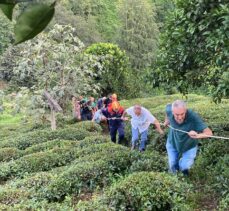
(31, 22)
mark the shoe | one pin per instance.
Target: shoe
(132, 148)
(185, 172)
(141, 150)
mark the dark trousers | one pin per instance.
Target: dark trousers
(86, 116)
(113, 132)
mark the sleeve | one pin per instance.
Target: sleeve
(168, 109)
(199, 123)
(150, 117)
(130, 111)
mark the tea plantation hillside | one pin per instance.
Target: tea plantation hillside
(77, 167)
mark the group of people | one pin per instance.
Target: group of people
(85, 108)
(181, 147)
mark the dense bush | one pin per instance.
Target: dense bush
(88, 126)
(34, 205)
(12, 196)
(150, 161)
(85, 176)
(143, 191)
(114, 72)
(26, 140)
(22, 189)
(210, 156)
(7, 154)
(224, 203)
(48, 145)
(221, 176)
(43, 161)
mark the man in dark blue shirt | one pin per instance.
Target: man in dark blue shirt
(182, 147)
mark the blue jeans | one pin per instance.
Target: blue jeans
(184, 163)
(135, 134)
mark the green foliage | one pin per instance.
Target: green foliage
(149, 161)
(26, 140)
(48, 145)
(210, 156)
(114, 72)
(221, 176)
(5, 36)
(52, 63)
(88, 126)
(6, 154)
(92, 173)
(86, 176)
(194, 48)
(103, 13)
(7, 10)
(44, 161)
(223, 87)
(138, 32)
(224, 204)
(33, 21)
(143, 191)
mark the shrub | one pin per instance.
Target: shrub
(113, 71)
(152, 161)
(9, 153)
(44, 161)
(10, 196)
(34, 205)
(88, 126)
(41, 136)
(49, 145)
(85, 176)
(224, 203)
(143, 191)
(221, 176)
(209, 157)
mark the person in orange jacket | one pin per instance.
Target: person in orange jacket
(113, 114)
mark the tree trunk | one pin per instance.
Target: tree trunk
(53, 119)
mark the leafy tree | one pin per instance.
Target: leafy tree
(138, 33)
(101, 16)
(87, 29)
(52, 62)
(195, 47)
(163, 7)
(113, 73)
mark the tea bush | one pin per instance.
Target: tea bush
(40, 136)
(143, 191)
(221, 176)
(88, 126)
(224, 203)
(44, 161)
(86, 176)
(48, 145)
(209, 156)
(9, 153)
(149, 161)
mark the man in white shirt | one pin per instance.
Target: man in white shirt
(140, 122)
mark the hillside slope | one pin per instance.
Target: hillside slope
(78, 168)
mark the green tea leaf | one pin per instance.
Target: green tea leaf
(7, 9)
(33, 21)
